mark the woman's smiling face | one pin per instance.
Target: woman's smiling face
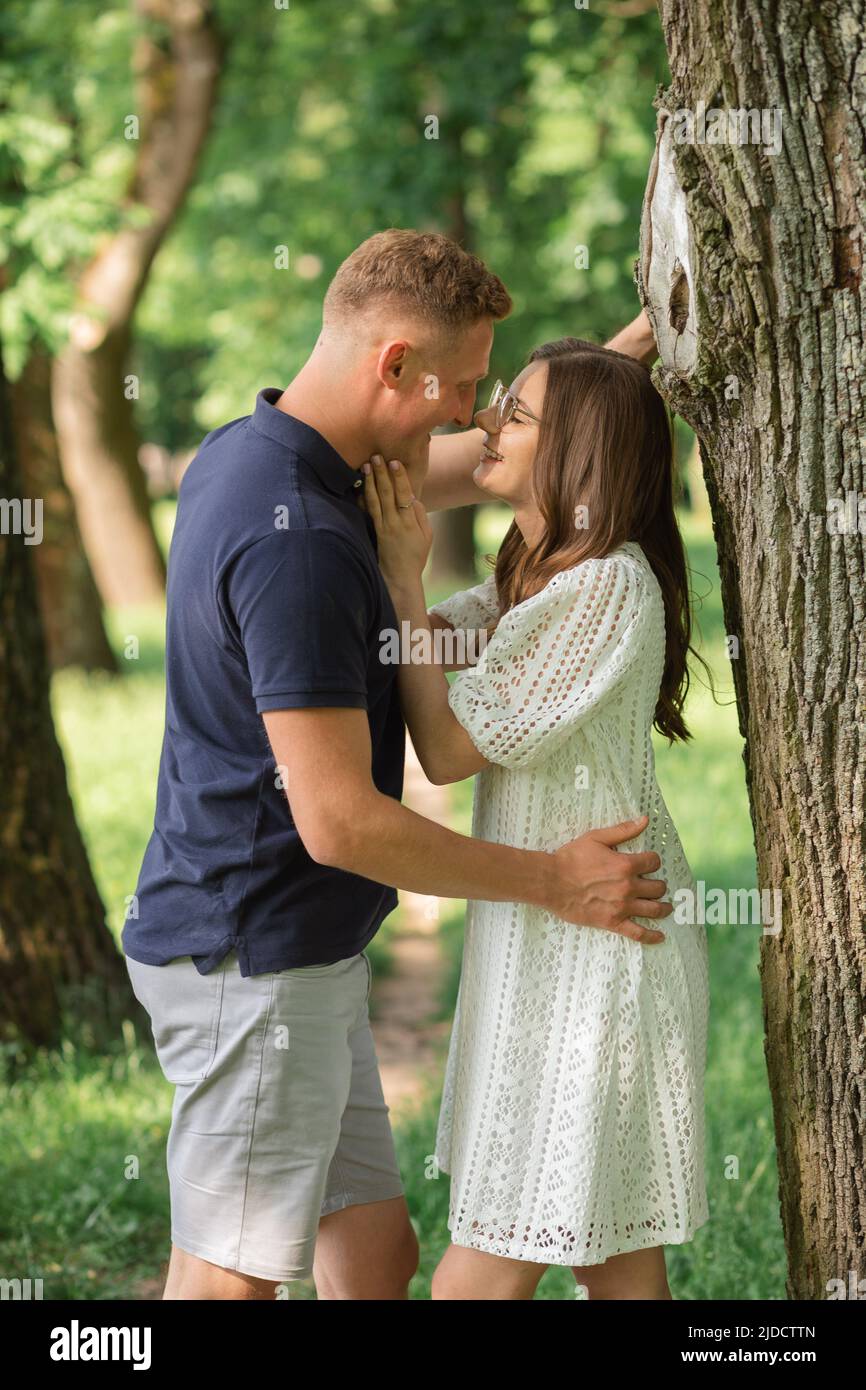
(505, 467)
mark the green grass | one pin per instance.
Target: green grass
(75, 1126)
(83, 1171)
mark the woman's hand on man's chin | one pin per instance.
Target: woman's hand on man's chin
(403, 532)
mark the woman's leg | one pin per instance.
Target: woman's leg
(637, 1274)
(473, 1274)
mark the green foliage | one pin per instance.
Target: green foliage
(545, 134)
(65, 75)
(319, 138)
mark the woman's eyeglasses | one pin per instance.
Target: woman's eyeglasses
(505, 406)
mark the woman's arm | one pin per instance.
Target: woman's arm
(454, 653)
(636, 340)
(453, 460)
(445, 750)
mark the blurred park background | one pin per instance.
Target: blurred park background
(180, 182)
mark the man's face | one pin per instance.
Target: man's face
(434, 389)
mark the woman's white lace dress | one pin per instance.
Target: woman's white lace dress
(572, 1119)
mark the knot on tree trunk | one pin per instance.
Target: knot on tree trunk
(666, 278)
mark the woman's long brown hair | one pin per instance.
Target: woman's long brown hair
(605, 443)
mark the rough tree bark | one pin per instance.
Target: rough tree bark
(69, 601)
(176, 92)
(751, 270)
(58, 960)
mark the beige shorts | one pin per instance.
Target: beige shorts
(278, 1116)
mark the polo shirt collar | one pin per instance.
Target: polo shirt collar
(329, 466)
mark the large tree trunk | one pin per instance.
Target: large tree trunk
(69, 601)
(751, 271)
(58, 961)
(93, 409)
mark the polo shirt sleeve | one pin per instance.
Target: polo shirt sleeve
(301, 606)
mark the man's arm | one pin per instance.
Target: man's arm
(454, 457)
(346, 822)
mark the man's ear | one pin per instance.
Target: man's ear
(391, 363)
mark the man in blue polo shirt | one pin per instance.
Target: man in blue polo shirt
(279, 838)
(275, 600)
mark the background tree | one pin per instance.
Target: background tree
(49, 212)
(58, 960)
(751, 268)
(69, 601)
(176, 59)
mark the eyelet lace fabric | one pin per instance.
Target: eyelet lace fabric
(572, 1119)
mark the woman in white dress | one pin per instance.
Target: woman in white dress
(572, 1119)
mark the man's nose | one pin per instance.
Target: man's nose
(465, 410)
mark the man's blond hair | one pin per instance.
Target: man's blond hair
(423, 274)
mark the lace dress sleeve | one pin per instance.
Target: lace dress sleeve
(470, 608)
(553, 660)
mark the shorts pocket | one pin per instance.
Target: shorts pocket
(312, 972)
(328, 969)
(184, 1009)
(369, 976)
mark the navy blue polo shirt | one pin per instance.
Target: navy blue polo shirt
(275, 601)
